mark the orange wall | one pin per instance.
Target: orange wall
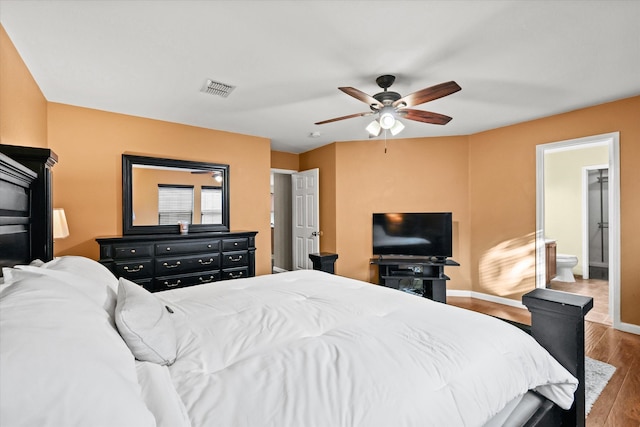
(282, 160)
(503, 195)
(23, 108)
(88, 184)
(415, 175)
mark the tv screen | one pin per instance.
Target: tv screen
(425, 234)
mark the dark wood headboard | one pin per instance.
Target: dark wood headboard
(15, 212)
(26, 229)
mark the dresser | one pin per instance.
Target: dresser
(165, 261)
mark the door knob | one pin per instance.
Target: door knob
(316, 233)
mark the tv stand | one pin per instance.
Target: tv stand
(423, 276)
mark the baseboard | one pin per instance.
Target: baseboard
(485, 297)
(628, 327)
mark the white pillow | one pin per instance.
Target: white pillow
(86, 275)
(145, 325)
(62, 362)
(84, 267)
(98, 292)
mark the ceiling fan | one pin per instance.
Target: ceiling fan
(391, 105)
(217, 175)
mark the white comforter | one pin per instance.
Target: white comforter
(310, 349)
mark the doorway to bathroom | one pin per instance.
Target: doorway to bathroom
(577, 207)
(595, 197)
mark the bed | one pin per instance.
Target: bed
(305, 348)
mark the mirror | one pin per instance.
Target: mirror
(158, 194)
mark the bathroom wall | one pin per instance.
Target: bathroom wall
(563, 197)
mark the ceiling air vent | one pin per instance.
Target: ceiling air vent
(217, 88)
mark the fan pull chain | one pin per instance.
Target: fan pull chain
(385, 141)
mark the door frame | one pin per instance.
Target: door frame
(612, 140)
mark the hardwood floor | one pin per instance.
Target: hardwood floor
(598, 289)
(619, 403)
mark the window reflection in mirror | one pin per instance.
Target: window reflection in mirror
(164, 196)
(175, 204)
(160, 193)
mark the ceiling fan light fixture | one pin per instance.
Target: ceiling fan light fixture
(374, 128)
(389, 106)
(396, 128)
(387, 119)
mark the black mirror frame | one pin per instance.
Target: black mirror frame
(127, 203)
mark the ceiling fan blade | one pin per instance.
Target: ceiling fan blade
(361, 96)
(425, 116)
(428, 94)
(350, 116)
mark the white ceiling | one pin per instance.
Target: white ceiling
(515, 60)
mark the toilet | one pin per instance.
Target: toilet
(564, 267)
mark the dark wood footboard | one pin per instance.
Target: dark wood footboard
(557, 323)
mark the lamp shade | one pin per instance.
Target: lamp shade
(387, 120)
(60, 227)
(374, 128)
(396, 128)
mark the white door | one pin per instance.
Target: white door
(306, 217)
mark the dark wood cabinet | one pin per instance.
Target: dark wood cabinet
(550, 260)
(419, 276)
(161, 262)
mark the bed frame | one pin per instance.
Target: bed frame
(557, 318)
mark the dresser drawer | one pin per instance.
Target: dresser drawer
(235, 273)
(184, 263)
(172, 282)
(202, 246)
(235, 244)
(137, 269)
(132, 251)
(158, 262)
(235, 259)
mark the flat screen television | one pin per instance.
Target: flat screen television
(426, 234)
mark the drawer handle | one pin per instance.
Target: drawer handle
(235, 243)
(133, 251)
(133, 269)
(206, 262)
(168, 248)
(171, 285)
(236, 259)
(166, 265)
(209, 246)
(234, 276)
(207, 280)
